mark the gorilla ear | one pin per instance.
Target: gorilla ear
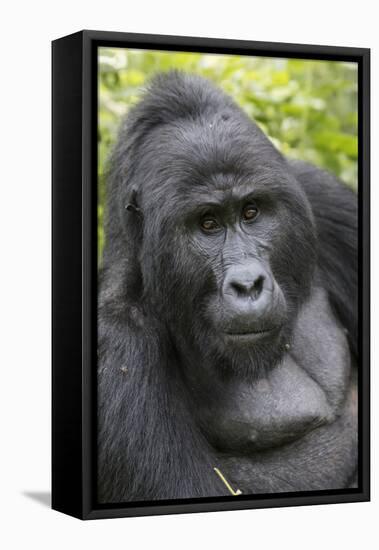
(131, 251)
(121, 270)
(132, 205)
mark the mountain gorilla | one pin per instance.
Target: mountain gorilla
(227, 309)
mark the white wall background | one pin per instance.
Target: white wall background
(26, 31)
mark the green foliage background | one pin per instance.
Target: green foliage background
(307, 108)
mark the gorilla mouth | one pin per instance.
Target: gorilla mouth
(251, 334)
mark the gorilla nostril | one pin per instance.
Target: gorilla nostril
(258, 286)
(238, 288)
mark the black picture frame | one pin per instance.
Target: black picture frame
(74, 202)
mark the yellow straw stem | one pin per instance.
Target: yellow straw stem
(234, 493)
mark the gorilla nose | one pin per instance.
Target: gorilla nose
(246, 282)
(246, 287)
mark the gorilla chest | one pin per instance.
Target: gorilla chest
(283, 406)
(272, 411)
(323, 457)
(287, 431)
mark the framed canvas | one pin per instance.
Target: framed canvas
(210, 275)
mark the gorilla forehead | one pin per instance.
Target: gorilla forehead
(185, 131)
(209, 154)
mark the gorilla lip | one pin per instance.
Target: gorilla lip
(254, 334)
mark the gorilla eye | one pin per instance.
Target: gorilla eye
(210, 225)
(249, 213)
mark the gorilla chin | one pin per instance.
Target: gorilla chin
(227, 332)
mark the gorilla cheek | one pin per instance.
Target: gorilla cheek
(173, 275)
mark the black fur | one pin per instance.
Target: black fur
(335, 210)
(164, 370)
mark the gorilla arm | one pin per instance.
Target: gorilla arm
(149, 447)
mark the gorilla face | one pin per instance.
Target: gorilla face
(228, 236)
